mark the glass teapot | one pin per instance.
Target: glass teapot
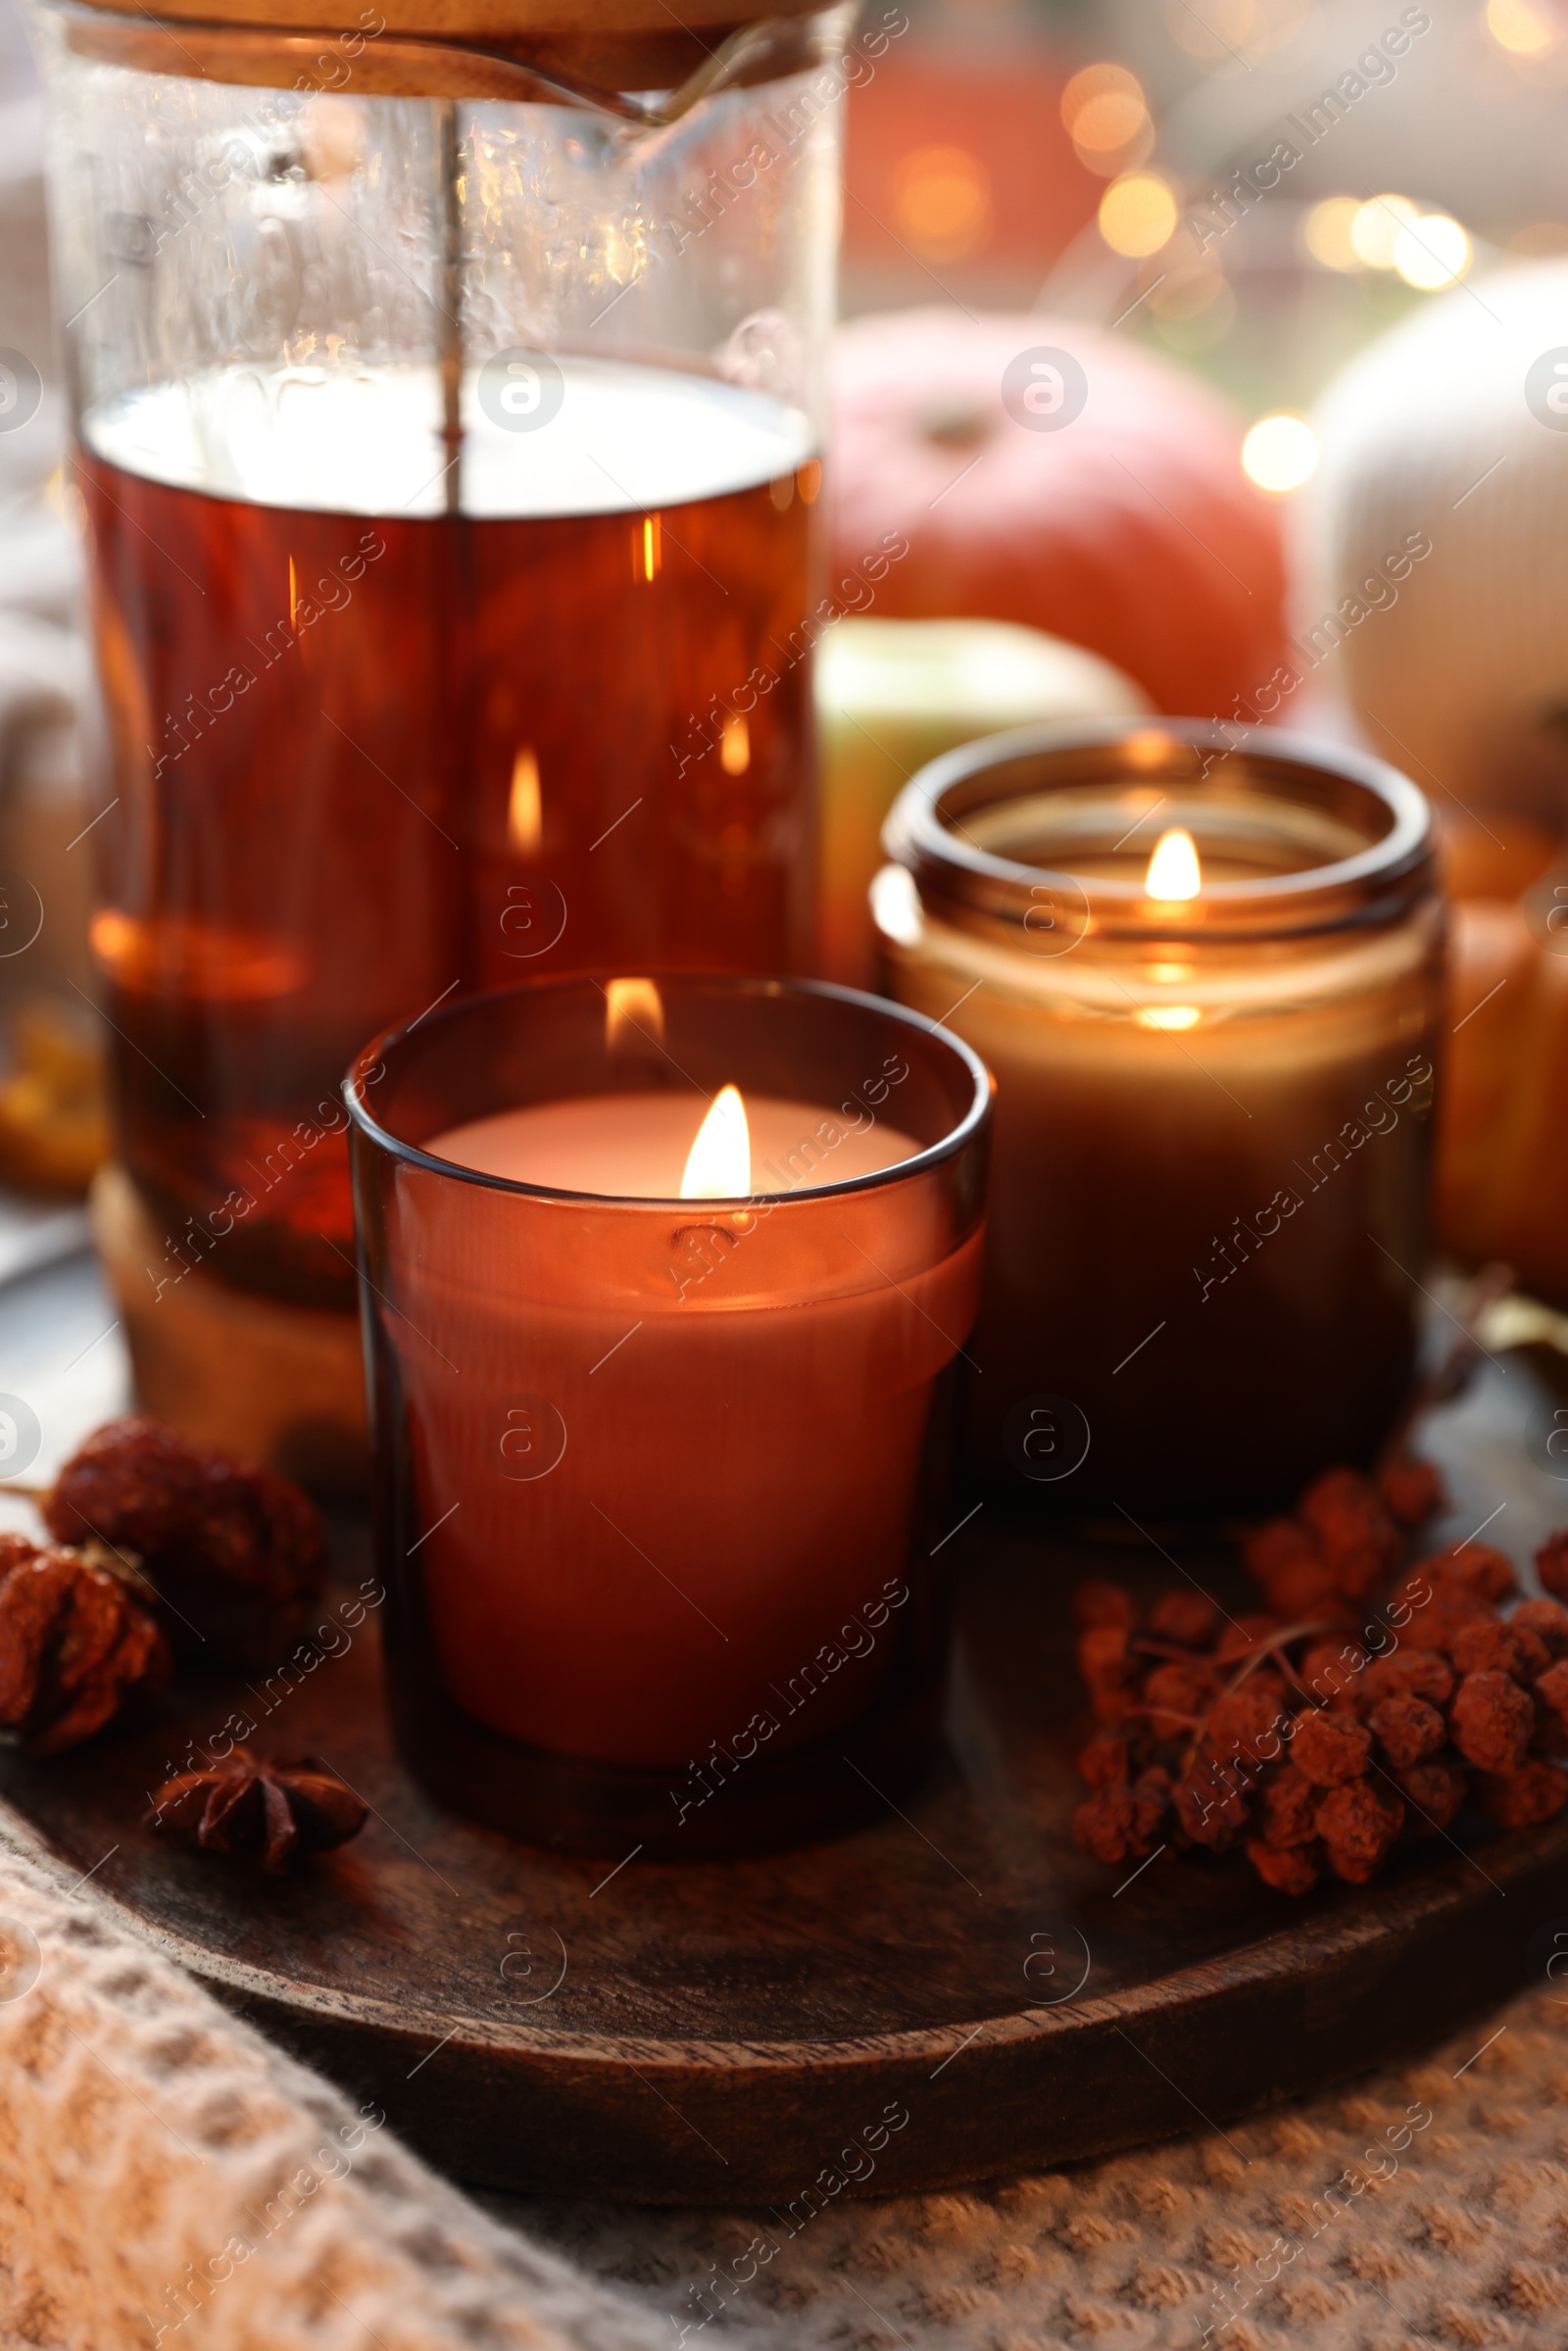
(448, 392)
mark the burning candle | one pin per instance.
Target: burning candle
(660, 1303)
(1203, 967)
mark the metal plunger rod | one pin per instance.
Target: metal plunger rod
(450, 305)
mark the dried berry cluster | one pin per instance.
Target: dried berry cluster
(1317, 1733)
(234, 1555)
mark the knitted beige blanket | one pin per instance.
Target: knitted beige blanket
(170, 2179)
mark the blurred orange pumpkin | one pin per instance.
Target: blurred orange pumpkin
(1129, 527)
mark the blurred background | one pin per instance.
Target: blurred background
(1236, 202)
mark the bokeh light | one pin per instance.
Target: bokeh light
(1433, 252)
(1219, 28)
(1106, 116)
(1280, 453)
(942, 202)
(1137, 215)
(1378, 227)
(1328, 232)
(1522, 26)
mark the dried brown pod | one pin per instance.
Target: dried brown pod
(235, 1554)
(258, 1808)
(74, 1646)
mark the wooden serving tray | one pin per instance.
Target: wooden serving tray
(950, 1995)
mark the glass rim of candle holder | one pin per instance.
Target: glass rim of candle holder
(1362, 832)
(639, 1460)
(368, 1062)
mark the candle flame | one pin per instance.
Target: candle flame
(735, 746)
(1174, 873)
(719, 1163)
(524, 812)
(632, 1004)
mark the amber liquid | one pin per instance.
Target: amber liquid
(365, 758)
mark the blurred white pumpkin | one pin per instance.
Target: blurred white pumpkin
(1452, 429)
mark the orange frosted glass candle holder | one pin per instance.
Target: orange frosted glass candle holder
(662, 1481)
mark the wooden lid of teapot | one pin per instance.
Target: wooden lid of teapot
(549, 51)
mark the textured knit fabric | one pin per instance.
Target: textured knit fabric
(168, 2177)
(1252, 2239)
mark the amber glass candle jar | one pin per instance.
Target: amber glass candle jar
(1209, 1209)
(661, 1480)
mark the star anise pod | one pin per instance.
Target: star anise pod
(260, 1808)
(235, 1554)
(74, 1644)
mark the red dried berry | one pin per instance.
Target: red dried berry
(1285, 1807)
(1552, 1688)
(1411, 1488)
(1437, 1625)
(1492, 1719)
(1179, 1697)
(1474, 1567)
(1435, 1791)
(1249, 1723)
(1104, 1657)
(1185, 1617)
(1331, 1748)
(1212, 1805)
(1500, 1648)
(1288, 1869)
(1291, 1573)
(1358, 1824)
(1332, 1671)
(1104, 1762)
(1412, 1674)
(1548, 1620)
(1119, 1823)
(1098, 1603)
(1407, 1730)
(1552, 1564)
(1535, 1792)
(1353, 1530)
